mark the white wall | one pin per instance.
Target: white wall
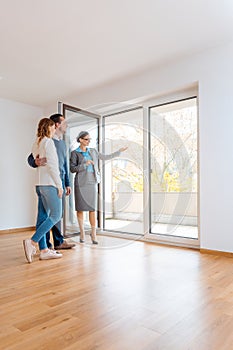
(213, 70)
(17, 196)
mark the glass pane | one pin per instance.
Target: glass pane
(174, 174)
(123, 186)
(77, 121)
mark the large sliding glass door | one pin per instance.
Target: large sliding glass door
(174, 170)
(162, 143)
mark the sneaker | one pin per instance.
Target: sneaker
(50, 254)
(29, 249)
(65, 245)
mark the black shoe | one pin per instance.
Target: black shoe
(81, 240)
(93, 241)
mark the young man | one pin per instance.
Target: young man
(61, 126)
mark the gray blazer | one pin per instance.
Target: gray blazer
(78, 164)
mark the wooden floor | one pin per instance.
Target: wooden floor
(120, 295)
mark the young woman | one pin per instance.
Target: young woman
(49, 191)
(84, 162)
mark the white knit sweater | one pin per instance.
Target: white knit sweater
(48, 174)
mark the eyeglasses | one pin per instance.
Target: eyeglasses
(87, 139)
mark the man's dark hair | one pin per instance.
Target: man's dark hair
(56, 117)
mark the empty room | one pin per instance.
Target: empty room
(116, 221)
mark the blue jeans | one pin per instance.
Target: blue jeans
(57, 236)
(49, 213)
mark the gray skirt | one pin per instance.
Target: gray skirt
(86, 195)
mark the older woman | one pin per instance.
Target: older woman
(84, 162)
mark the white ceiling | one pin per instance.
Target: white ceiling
(51, 49)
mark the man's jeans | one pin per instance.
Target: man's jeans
(49, 213)
(57, 236)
